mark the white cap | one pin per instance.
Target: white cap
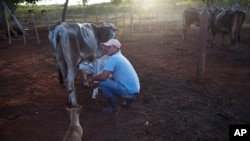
(113, 42)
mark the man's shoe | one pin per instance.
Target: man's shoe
(127, 102)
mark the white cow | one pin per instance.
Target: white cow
(94, 68)
(73, 42)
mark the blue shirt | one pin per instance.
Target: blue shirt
(123, 72)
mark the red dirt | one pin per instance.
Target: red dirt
(170, 106)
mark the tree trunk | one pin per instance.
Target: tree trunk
(64, 11)
(3, 4)
(3, 22)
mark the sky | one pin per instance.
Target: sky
(71, 2)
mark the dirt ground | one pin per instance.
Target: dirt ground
(170, 107)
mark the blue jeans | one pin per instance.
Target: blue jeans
(112, 88)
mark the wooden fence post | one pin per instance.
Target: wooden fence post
(123, 17)
(96, 17)
(131, 19)
(202, 46)
(47, 17)
(35, 28)
(248, 12)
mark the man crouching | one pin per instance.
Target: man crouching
(124, 82)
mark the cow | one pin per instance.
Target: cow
(43, 12)
(242, 17)
(227, 21)
(73, 42)
(31, 11)
(94, 68)
(190, 16)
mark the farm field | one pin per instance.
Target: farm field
(170, 107)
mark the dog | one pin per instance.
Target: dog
(75, 131)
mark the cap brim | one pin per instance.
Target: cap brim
(106, 44)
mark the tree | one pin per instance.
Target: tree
(14, 4)
(64, 11)
(117, 2)
(11, 6)
(209, 3)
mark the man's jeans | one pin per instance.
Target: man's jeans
(112, 88)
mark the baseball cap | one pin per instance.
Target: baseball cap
(113, 42)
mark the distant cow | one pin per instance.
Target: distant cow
(43, 12)
(228, 21)
(190, 16)
(31, 11)
(73, 42)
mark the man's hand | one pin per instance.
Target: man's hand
(89, 79)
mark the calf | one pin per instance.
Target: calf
(94, 68)
(190, 16)
(74, 132)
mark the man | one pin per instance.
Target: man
(124, 82)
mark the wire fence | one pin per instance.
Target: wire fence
(128, 22)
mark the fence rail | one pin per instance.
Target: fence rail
(149, 19)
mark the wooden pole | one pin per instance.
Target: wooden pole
(34, 24)
(131, 19)
(48, 23)
(96, 17)
(123, 16)
(202, 46)
(8, 29)
(248, 12)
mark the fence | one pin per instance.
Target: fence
(136, 22)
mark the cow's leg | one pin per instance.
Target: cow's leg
(233, 39)
(183, 34)
(68, 76)
(94, 93)
(62, 68)
(95, 89)
(223, 39)
(185, 31)
(213, 38)
(85, 76)
(60, 75)
(72, 93)
(71, 87)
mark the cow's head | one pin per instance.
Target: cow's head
(107, 31)
(87, 67)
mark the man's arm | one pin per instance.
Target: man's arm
(101, 77)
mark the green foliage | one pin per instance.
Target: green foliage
(117, 2)
(16, 3)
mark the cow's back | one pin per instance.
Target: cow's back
(89, 43)
(191, 16)
(73, 42)
(226, 21)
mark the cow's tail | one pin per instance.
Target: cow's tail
(58, 38)
(54, 36)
